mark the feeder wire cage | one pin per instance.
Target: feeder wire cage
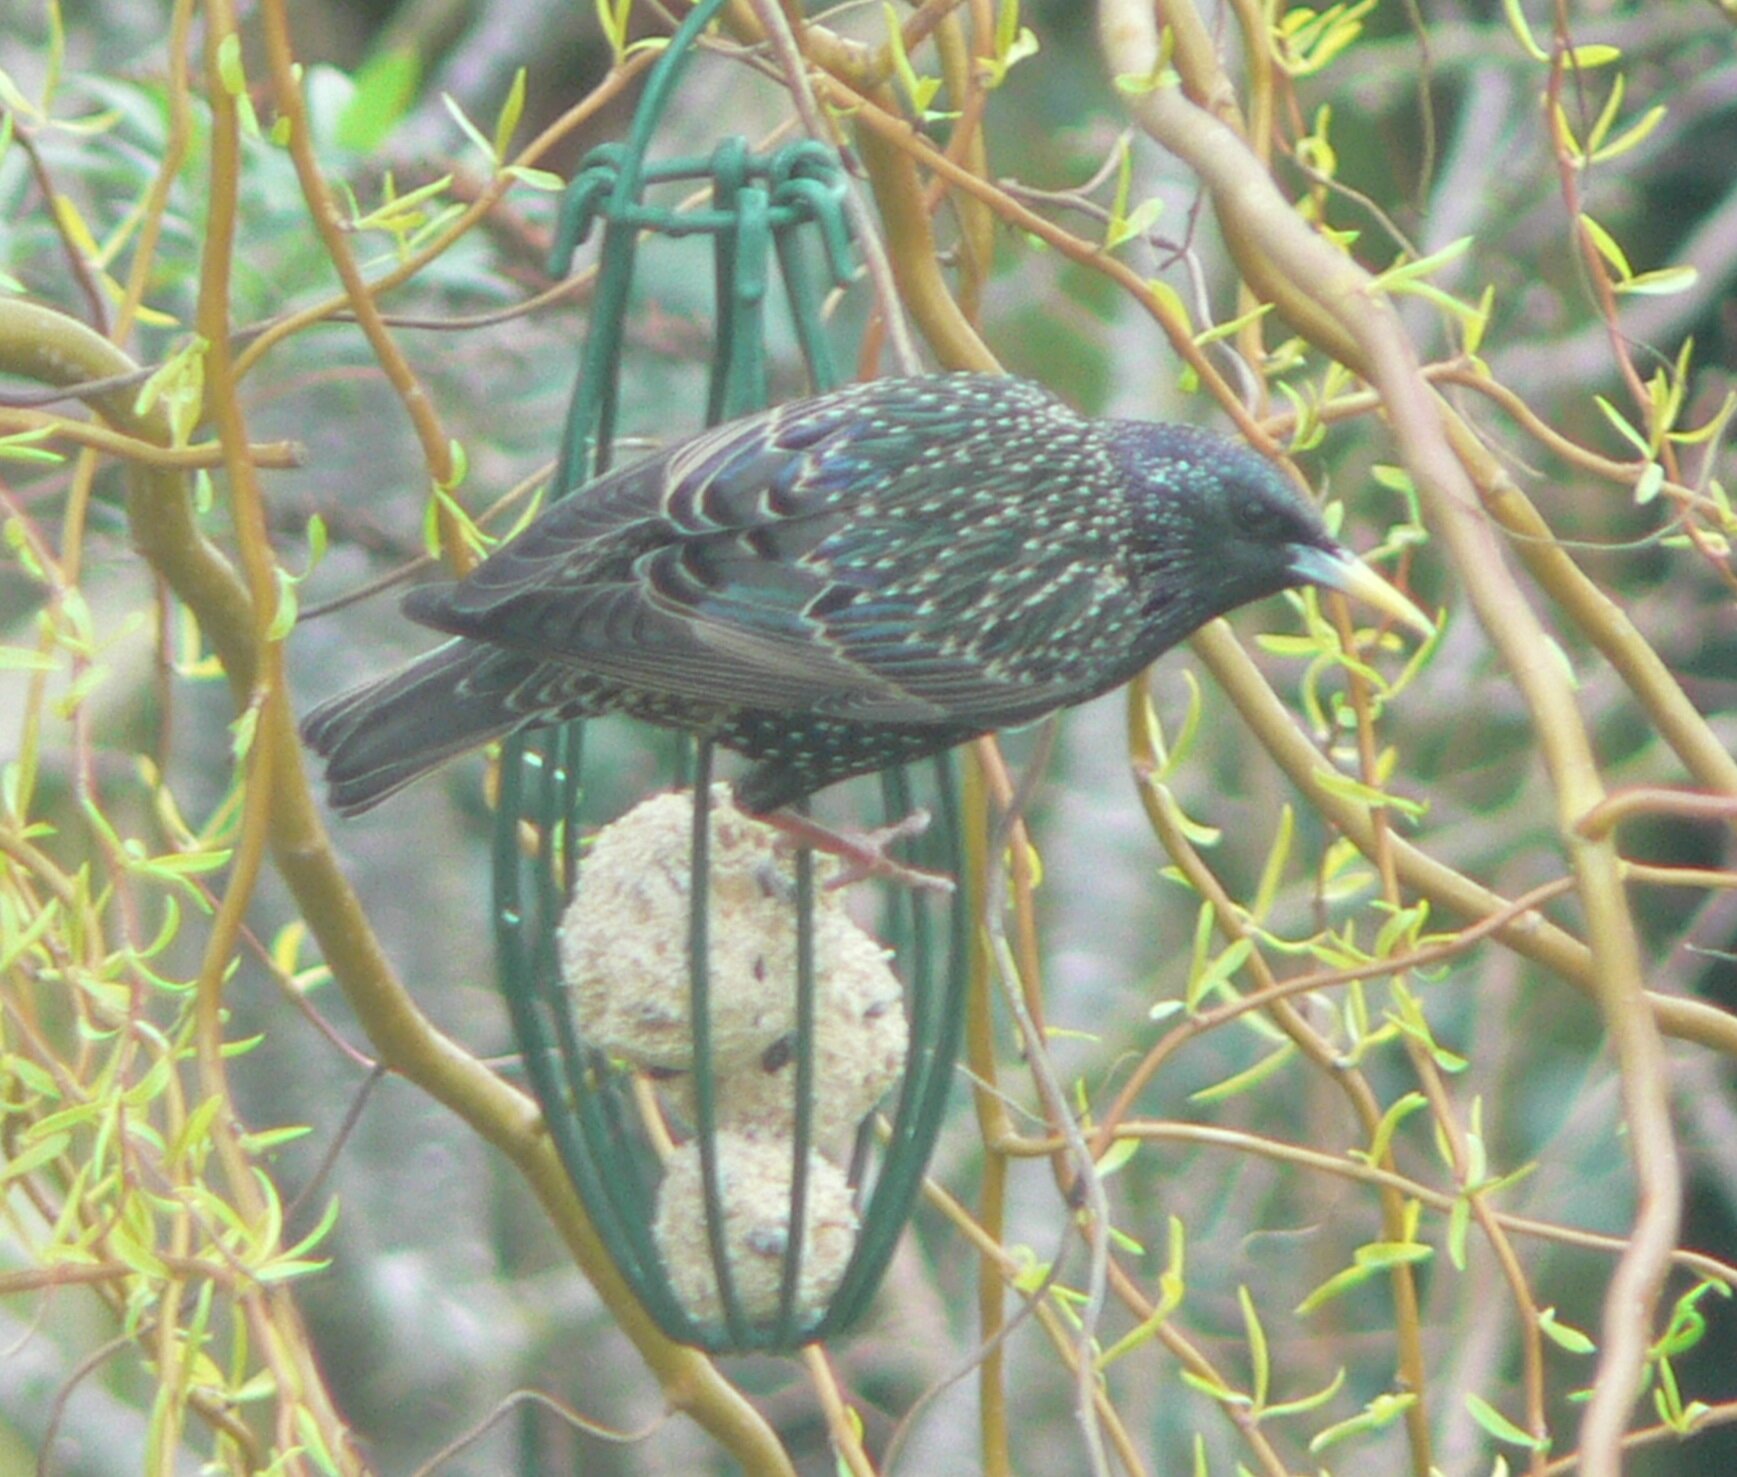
(762, 215)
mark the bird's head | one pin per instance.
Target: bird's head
(1217, 525)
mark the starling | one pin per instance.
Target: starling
(844, 583)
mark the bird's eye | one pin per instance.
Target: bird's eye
(1255, 516)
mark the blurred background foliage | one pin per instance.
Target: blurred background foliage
(440, 1288)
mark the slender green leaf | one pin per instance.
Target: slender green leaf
(386, 86)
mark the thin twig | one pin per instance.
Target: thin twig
(862, 222)
(1088, 1185)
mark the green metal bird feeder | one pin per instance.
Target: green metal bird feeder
(649, 1138)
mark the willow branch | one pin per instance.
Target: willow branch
(274, 454)
(42, 344)
(1332, 301)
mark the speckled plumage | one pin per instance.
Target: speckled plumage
(839, 584)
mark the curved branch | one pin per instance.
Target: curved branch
(1332, 301)
(42, 344)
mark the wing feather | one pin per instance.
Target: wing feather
(744, 567)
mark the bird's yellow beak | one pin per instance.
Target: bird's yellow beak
(1339, 569)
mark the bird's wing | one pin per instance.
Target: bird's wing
(730, 570)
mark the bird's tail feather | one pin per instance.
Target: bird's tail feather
(378, 738)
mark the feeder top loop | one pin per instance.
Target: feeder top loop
(803, 184)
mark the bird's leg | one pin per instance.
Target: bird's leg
(862, 852)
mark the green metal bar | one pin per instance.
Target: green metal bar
(928, 1078)
(786, 1330)
(591, 416)
(519, 976)
(704, 222)
(729, 170)
(746, 388)
(804, 314)
(700, 1024)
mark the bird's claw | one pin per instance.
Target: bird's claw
(862, 854)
